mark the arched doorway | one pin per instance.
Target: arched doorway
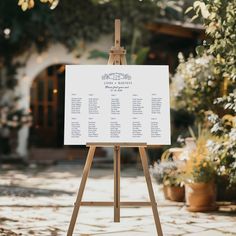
(46, 139)
(47, 106)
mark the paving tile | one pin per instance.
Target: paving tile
(208, 233)
(216, 224)
(228, 229)
(190, 228)
(169, 229)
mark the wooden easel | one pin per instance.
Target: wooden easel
(116, 57)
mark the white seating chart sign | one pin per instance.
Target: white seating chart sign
(117, 104)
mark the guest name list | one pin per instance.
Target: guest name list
(117, 104)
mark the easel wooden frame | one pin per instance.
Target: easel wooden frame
(116, 57)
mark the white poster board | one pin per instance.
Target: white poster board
(117, 104)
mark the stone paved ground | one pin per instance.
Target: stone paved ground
(36, 201)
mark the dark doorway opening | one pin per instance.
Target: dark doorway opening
(47, 106)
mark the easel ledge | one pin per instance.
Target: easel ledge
(108, 144)
(117, 144)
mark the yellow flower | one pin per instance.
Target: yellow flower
(204, 164)
(229, 120)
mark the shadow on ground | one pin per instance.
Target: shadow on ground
(19, 191)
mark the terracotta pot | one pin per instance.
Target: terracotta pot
(175, 193)
(165, 192)
(200, 196)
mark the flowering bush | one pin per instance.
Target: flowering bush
(219, 21)
(28, 4)
(12, 118)
(168, 173)
(194, 85)
(223, 148)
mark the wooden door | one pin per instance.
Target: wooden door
(44, 104)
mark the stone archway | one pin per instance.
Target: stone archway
(35, 63)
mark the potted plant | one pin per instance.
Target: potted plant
(200, 190)
(168, 173)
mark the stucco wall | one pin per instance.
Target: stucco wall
(35, 63)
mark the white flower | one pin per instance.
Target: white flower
(213, 117)
(15, 118)
(232, 136)
(216, 127)
(202, 61)
(222, 169)
(210, 83)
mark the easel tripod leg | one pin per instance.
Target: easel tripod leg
(116, 183)
(144, 161)
(77, 204)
